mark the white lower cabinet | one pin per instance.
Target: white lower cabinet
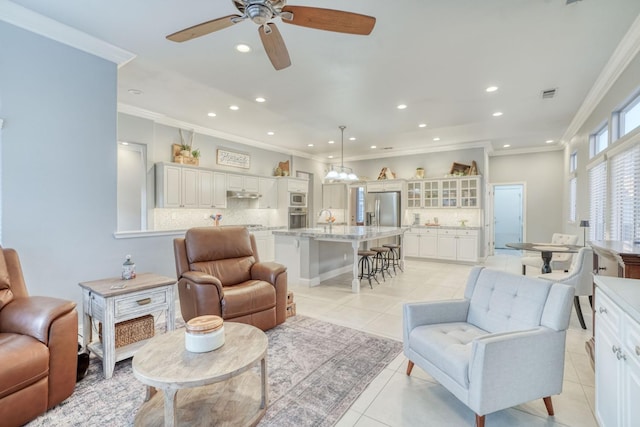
(446, 244)
(458, 245)
(265, 243)
(421, 243)
(617, 364)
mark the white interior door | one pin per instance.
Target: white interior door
(508, 211)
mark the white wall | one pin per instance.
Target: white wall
(59, 167)
(436, 165)
(545, 181)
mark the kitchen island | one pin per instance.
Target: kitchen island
(315, 254)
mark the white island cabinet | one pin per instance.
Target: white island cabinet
(617, 351)
(315, 254)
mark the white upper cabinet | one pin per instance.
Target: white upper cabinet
(334, 196)
(242, 183)
(268, 188)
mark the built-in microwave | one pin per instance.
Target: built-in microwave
(297, 199)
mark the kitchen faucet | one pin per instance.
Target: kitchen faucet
(329, 221)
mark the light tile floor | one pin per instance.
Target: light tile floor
(393, 399)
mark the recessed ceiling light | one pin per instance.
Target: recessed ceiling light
(243, 48)
(135, 91)
(271, 133)
(436, 139)
(331, 157)
(353, 138)
(260, 99)
(332, 142)
(373, 146)
(234, 107)
(211, 114)
(309, 145)
(422, 125)
(506, 146)
(549, 141)
(401, 107)
(492, 88)
(124, 143)
(497, 114)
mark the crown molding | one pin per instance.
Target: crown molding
(532, 150)
(169, 121)
(624, 53)
(28, 20)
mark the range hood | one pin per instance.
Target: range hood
(242, 195)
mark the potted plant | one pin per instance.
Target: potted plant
(185, 150)
(196, 153)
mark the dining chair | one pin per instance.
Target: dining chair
(559, 261)
(580, 276)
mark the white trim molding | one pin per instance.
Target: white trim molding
(29, 20)
(624, 53)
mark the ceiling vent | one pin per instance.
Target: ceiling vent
(572, 1)
(549, 93)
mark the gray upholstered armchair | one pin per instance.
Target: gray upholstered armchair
(500, 346)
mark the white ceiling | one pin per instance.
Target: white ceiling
(436, 56)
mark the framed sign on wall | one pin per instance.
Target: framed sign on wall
(231, 158)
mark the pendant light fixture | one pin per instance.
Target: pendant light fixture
(342, 173)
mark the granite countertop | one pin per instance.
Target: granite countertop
(624, 292)
(342, 232)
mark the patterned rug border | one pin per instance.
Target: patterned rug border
(317, 370)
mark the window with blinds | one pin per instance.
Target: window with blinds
(625, 195)
(598, 201)
(572, 199)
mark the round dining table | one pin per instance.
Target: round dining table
(546, 251)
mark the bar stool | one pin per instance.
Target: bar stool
(366, 260)
(381, 260)
(394, 255)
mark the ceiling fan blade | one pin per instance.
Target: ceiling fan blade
(204, 28)
(330, 20)
(274, 46)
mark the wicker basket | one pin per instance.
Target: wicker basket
(131, 331)
(291, 309)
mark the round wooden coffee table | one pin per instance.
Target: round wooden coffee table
(216, 388)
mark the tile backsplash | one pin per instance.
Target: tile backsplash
(237, 213)
(449, 217)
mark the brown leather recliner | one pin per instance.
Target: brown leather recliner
(38, 347)
(219, 272)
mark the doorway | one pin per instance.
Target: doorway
(508, 214)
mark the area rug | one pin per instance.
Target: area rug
(316, 371)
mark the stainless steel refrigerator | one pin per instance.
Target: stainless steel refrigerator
(375, 209)
(385, 208)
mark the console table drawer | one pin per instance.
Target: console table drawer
(147, 301)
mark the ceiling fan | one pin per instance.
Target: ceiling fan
(263, 11)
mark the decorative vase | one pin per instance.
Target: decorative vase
(420, 173)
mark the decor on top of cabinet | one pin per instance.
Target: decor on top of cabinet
(420, 173)
(233, 158)
(386, 173)
(282, 169)
(458, 169)
(183, 154)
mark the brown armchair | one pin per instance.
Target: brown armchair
(219, 272)
(38, 347)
